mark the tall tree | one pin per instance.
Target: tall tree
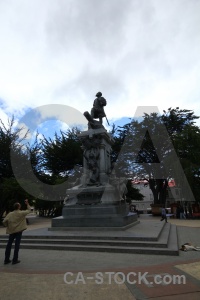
(148, 152)
(63, 153)
(10, 145)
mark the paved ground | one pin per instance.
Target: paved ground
(43, 274)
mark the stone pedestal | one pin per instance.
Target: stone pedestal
(97, 142)
(95, 216)
(89, 195)
(95, 202)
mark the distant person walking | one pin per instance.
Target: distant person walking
(182, 215)
(178, 212)
(16, 223)
(190, 211)
(163, 215)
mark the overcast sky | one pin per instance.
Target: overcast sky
(136, 52)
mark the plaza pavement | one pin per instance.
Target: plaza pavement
(43, 274)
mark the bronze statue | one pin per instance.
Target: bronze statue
(97, 112)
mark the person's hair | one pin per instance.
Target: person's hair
(16, 206)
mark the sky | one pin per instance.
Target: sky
(136, 52)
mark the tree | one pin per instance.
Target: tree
(63, 153)
(132, 192)
(9, 139)
(10, 189)
(187, 145)
(11, 192)
(148, 150)
(185, 136)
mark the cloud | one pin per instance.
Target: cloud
(24, 132)
(47, 120)
(136, 52)
(3, 117)
(94, 27)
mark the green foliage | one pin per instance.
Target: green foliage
(9, 140)
(48, 208)
(63, 153)
(140, 149)
(12, 192)
(10, 189)
(145, 149)
(133, 193)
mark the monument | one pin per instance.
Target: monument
(96, 200)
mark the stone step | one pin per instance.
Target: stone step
(96, 237)
(88, 242)
(167, 244)
(97, 240)
(144, 231)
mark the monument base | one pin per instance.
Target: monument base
(95, 216)
(92, 195)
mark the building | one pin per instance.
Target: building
(173, 194)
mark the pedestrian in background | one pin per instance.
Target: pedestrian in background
(178, 212)
(182, 215)
(164, 215)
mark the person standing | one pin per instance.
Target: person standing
(16, 223)
(182, 215)
(178, 212)
(190, 211)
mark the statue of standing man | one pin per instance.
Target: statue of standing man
(97, 111)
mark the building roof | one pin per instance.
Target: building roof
(171, 182)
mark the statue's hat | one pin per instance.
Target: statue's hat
(99, 94)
